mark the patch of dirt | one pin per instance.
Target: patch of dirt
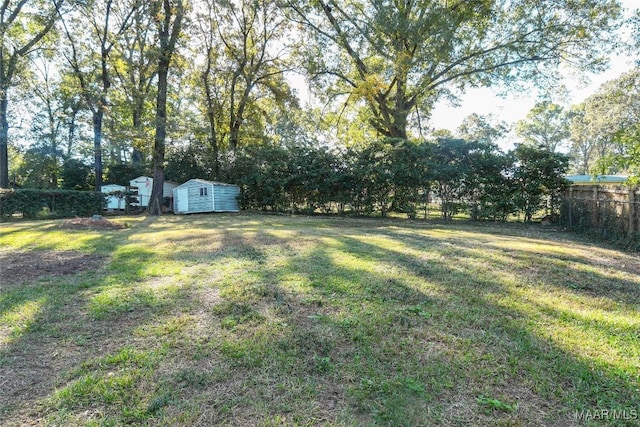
(19, 267)
(91, 224)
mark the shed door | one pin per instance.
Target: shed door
(183, 199)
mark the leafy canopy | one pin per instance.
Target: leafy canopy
(397, 57)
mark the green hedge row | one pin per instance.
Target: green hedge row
(50, 203)
(398, 176)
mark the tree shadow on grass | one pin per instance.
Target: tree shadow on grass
(83, 317)
(579, 273)
(589, 381)
(573, 273)
(54, 323)
(370, 345)
(341, 329)
(350, 306)
(57, 274)
(19, 226)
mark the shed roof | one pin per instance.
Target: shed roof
(204, 181)
(148, 178)
(597, 179)
(112, 186)
(140, 178)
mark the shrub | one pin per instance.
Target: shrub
(50, 203)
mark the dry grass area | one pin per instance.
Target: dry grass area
(271, 320)
(19, 267)
(91, 224)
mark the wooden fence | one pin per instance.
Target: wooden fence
(611, 212)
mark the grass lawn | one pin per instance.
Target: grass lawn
(273, 320)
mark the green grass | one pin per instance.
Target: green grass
(273, 320)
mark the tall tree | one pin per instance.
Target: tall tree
(615, 112)
(91, 68)
(136, 69)
(583, 144)
(547, 125)
(168, 16)
(211, 80)
(246, 56)
(48, 117)
(480, 128)
(23, 25)
(398, 57)
(605, 125)
(73, 108)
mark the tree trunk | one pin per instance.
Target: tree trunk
(401, 110)
(155, 202)
(72, 131)
(9, 57)
(4, 129)
(97, 146)
(168, 34)
(137, 156)
(234, 133)
(237, 117)
(233, 137)
(157, 191)
(398, 129)
(211, 117)
(53, 137)
(4, 140)
(216, 157)
(391, 120)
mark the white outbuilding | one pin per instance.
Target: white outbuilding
(142, 187)
(198, 195)
(116, 199)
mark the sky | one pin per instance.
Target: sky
(510, 109)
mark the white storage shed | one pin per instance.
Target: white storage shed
(115, 196)
(143, 185)
(198, 195)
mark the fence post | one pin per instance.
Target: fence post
(594, 219)
(632, 209)
(570, 202)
